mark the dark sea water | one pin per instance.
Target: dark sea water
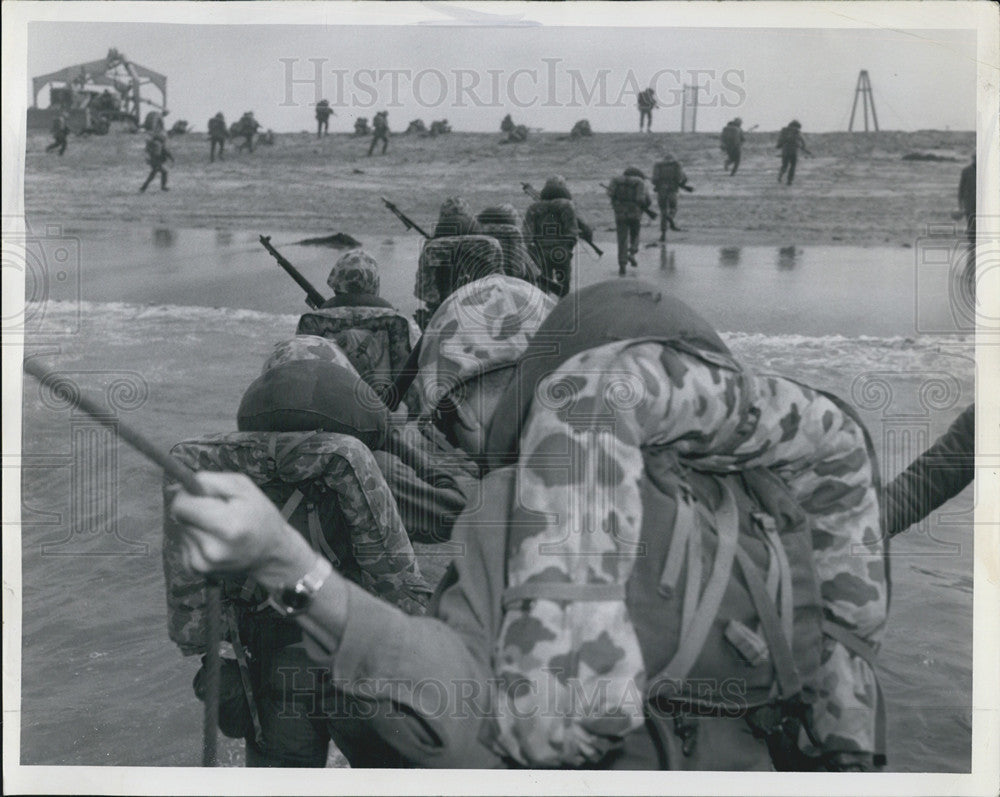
(102, 684)
(818, 290)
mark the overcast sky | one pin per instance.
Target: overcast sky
(545, 77)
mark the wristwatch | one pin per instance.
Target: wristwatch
(290, 601)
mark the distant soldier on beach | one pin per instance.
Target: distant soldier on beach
(248, 127)
(581, 130)
(361, 126)
(629, 199)
(668, 179)
(646, 103)
(731, 142)
(515, 133)
(60, 133)
(217, 135)
(439, 128)
(323, 114)
(967, 195)
(157, 155)
(790, 141)
(380, 127)
(551, 230)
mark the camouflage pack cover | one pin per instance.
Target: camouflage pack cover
(516, 260)
(551, 222)
(573, 670)
(448, 263)
(482, 326)
(337, 466)
(376, 340)
(666, 174)
(627, 191)
(308, 347)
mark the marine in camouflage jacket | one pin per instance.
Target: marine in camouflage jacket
(711, 411)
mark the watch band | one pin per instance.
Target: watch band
(290, 601)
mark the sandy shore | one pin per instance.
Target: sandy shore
(856, 189)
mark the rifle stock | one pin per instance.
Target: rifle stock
(314, 298)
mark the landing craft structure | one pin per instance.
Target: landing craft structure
(97, 94)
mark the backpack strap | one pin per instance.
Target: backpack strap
(866, 651)
(684, 522)
(291, 504)
(316, 537)
(785, 671)
(698, 615)
(769, 531)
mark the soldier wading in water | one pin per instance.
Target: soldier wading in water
(550, 641)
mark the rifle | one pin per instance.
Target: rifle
(647, 211)
(313, 297)
(409, 223)
(588, 237)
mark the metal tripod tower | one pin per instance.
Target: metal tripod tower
(863, 91)
(689, 109)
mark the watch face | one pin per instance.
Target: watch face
(294, 600)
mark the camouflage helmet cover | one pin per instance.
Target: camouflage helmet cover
(355, 272)
(483, 326)
(555, 188)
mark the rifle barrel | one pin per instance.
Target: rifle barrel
(314, 298)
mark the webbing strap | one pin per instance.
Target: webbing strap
(866, 651)
(694, 635)
(692, 587)
(683, 524)
(770, 624)
(785, 570)
(291, 504)
(241, 660)
(773, 578)
(317, 538)
(562, 591)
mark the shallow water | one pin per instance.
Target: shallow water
(818, 290)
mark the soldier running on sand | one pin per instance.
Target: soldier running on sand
(629, 199)
(217, 135)
(668, 179)
(731, 142)
(790, 141)
(157, 155)
(380, 125)
(60, 133)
